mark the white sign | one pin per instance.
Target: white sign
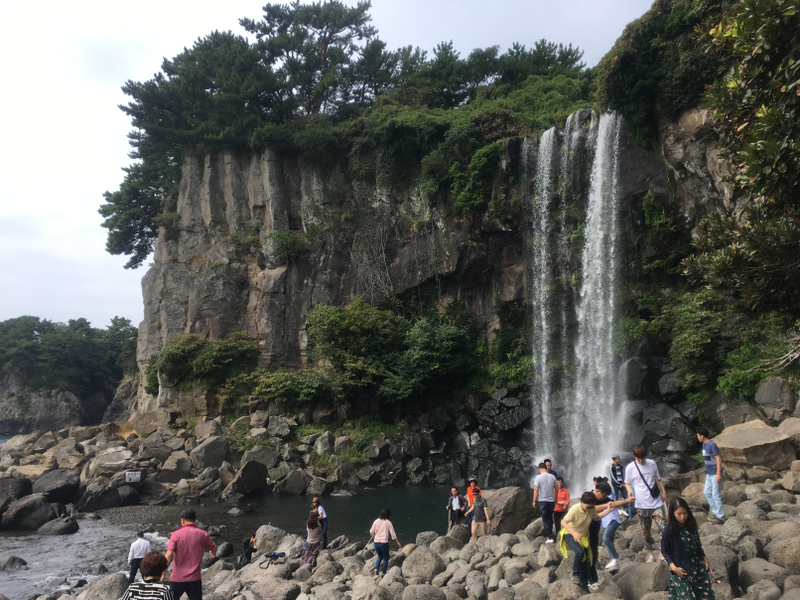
(133, 476)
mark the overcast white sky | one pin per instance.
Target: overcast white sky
(63, 139)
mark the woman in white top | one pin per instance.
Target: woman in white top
(323, 520)
(382, 530)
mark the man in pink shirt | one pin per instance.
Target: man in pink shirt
(186, 547)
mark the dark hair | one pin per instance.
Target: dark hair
(547, 460)
(476, 490)
(140, 534)
(246, 543)
(385, 514)
(639, 451)
(703, 431)
(189, 515)
(672, 522)
(603, 488)
(153, 564)
(542, 465)
(313, 519)
(561, 479)
(589, 498)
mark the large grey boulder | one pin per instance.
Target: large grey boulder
(177, 467)
(262, 453)
(206, 429)
(251, 477)
(275, 589)
(764, 590)
(19, 444)
(564, 589)
(791, 427)
(60, 526)
(210, 453)
(529, 589)
(776, 398)
(640, 579)
(755, 444)
(268, 538)
(110, 586)
(60, 485)
(510, 509)
(13, 488)
(14, 563)
(111, 461)
(423, 592)
(724, 562)
(98, 497)
(30, 512)
(154, 447)
(757, 569)
(422, 563)
(147, 423)
(733, 532)
(295, 483)
(786, 553)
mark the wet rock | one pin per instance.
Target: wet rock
(62, 526)
(30, 512)
(512, 418)
(13, 563)
(60, 485)
(97, 497)
(13, 488)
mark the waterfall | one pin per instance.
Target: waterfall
(576, 415)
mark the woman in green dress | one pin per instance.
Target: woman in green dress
(680, 547)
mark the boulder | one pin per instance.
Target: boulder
(786, 553)
(426, 538)
(13, 488)
(177, 467)
(128, 496)
(377, 450)
(295, 483)
(268, 538)
(763, 590)
(110, 461)
(410, 443)
(510, 509)
(111, 586)
(251, 477)
(512, 418)
(757, 569)
(724, 562)
(60, 485)
(97, 497)
(319, 487)
(19, 444)
(643, 578)
(30, 512)
(324, 444)
(791, 481)
(776, 394)
(13, 563)
(206, 429)
(61, 526)
(549, 555)
(211, 452)
(422, 563)
(423, 592)
(262, 453)
(280, 427)
(791, 427)
(564, 589)
(273, 588)
(147, 423)
(755, 444)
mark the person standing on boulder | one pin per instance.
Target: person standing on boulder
(135, 555)
(544, 492)
(480, 512)
(471, 487)
(382, 529)
(643, 483)
(185, 548)
(323, 520)
(562, 504)
(688, 564)
(713, 462)
(456, 505)
(617, 473)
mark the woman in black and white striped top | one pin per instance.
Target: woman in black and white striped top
(154, 565)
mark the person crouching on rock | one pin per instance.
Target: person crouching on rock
(153, 566)
(457, 505)
(313, 539)
(480, 512)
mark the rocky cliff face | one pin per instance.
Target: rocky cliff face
(23, 410)
(218, 271)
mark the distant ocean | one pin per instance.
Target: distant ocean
(4, 438)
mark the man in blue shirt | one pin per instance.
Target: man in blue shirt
(713, 462)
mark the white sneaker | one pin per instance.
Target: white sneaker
(549, 542)
(612, 565)
(594, 587)
(650, 558)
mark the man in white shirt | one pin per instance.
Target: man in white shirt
(544, 493)
(642, 476)
(135, 555)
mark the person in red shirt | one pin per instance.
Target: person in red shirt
(186, 547)
(473, 484)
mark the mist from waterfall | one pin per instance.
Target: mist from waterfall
(577, 414)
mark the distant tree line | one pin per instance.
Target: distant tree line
(74, 356)
(310, 81)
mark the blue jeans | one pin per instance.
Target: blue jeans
(580, 567)
(713, 496)
(621, 493)
(324, 524)
(608, 539)
(546, 510)
(382, 550)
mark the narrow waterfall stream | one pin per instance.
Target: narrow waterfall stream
(577, 411)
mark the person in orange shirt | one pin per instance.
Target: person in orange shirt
(562, 504)
(473, 484)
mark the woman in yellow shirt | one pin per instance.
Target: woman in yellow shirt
(575, 536)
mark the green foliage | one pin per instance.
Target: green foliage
(74, 357)
(472, 189)
(768, 349)
(658, 67)
(757, 105)
(290, 246)
(241, 440)
(194, 360)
